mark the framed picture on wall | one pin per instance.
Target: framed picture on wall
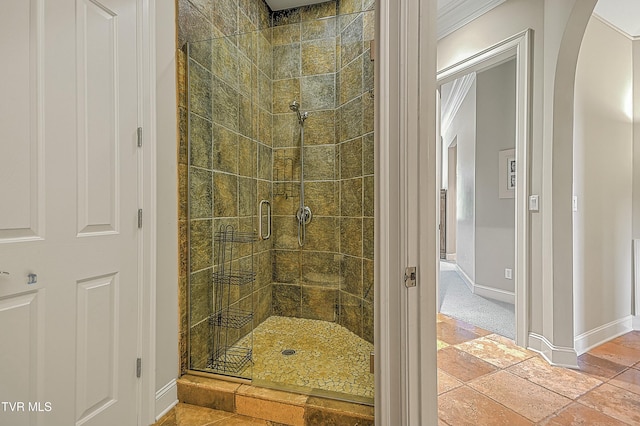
(511, 167)
(507, 173)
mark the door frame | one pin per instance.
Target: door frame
(517, 46)
(405, 212)
(147, 181)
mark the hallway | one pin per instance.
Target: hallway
(485, 379)
(457, 301)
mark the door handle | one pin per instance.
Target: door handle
(4, 273)
(264, 237)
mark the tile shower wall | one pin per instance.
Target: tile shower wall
(321, 57)
(306, 280)
(354, 157)
(230, 70)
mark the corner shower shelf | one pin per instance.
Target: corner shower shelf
(232, 318)
(229, 235)
(230, 360)
(234, 278)
(226, 356)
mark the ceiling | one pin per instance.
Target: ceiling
(623, 14)
(454, 14)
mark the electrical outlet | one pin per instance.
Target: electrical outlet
(508, 273)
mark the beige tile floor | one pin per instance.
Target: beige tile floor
(192, 415)
(328, 357)
(484, 379)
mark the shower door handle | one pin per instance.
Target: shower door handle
(262, 236)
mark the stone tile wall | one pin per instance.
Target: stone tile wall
(305, 280)
(322, 59)
(230, 73)
(355, 165)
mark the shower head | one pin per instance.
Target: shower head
(295, 107)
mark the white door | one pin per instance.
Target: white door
(68, 212)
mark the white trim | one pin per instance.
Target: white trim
(495, 294)
(458, 13)
(467, 280)
(451, 257)
(161, 363)
(636, 277)
(614, 27)
(406, 391)
(452, 104)
(147, 182)
(635, 322)
(486, 292)
(166, 399)
(426, 147)
(555, 355)
(518, 45)
(599, 335)
(388, 377)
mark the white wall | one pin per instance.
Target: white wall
(167, 364)
(494, 217)
(636, 141)
(463, 128)
(603, 174)
(636, 170)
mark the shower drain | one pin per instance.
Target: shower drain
(288, 352)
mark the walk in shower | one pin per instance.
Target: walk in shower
(279, 202)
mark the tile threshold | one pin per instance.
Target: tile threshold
(274, 406)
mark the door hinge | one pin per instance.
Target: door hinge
(139, 137)
(139, 367)
(139, 218)
(410, 278)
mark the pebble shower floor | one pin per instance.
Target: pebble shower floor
(327, 356)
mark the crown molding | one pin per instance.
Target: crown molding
(459, 13)
(614, 27)
(452, 103)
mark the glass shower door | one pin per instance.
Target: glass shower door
(226, 147)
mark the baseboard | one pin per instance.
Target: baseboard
(468, 281)
(635, 322)
(555, 355)
(597, 336)
(486, 292)
(451, 256)
(166, 398)
(495, 294)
